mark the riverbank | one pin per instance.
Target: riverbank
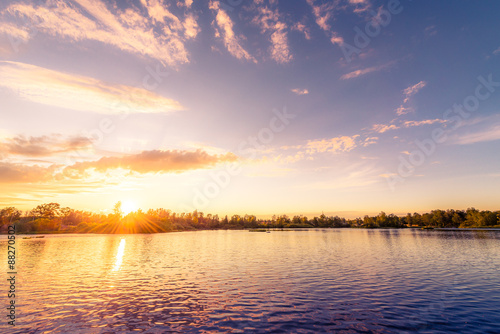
(287, 229)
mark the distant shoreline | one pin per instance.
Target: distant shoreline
(461, 229)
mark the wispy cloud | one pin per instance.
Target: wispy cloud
(42, 146)
(323, 13)
(487, 134)
(327, 146)
(404, 108)
(358, 73)
(13, 31)
(430, 30)
(360, 5)
(497, 51)
(299, 91)
(76, 92)
(381, 128)
(299, 26)
(172, 25)
(412, 90)
(409, 124)
(332, 145)
(224, 29)
(159, 36)
(270, 22)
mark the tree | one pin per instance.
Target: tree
(50, 210)
(117, 209)
(9, 215)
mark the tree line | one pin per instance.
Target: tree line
(52, 218)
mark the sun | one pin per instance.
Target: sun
(128, 207)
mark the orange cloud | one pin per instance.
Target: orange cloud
(226, 32)
(13, 31)
(42, 146)
(408, 124)
(333, 145)
(412, 90)
(155, 161)
(269, 21)
(299, 91)
(322, 13)
(92, 20)
(299, 26)
(19, 173)
(403, 109)
(381, 128)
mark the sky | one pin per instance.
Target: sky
(346, 107)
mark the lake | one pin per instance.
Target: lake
(306, 281)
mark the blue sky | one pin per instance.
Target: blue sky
(262, 107)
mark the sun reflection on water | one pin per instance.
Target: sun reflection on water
(119, 255)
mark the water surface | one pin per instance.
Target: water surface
(319, 280)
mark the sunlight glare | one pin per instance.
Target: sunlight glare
(128, 207)
(119, 255)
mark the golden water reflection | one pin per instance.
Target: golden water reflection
(119, 255)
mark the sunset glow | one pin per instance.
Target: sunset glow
(128, 207)
(262, 107)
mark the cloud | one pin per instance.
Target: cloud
(159, 36)
(226, 32)
(358, 73)
(323, 13)
(307, 151)
(155, 161)
(269, 22)
(381, 128)
(191, 26)
(497, 51)
(42, 146)
(336, 39)
(430, 30)
(388, 175)
(404, 109)
(172, 25)
(299, 26)
(370, 141)
(174, 161)
(332, 145)
(159, 12)
(14, 32)
(409, 124)
(361, 5)
(19, 173)
(491, 133)
(81, 93)
(412, 90)
(299, 91)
